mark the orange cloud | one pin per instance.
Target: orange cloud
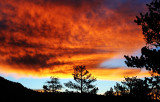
(46, 37)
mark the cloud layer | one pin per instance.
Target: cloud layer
(49, 37)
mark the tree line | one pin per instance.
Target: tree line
(83, 82)
(147, 88)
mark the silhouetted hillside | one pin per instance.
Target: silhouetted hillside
(15, 92)
(10, 91)
(13, 88)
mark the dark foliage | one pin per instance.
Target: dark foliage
(137, 87)
(109, 93)
(150, 22)
(154, 83)
(83, 80)
(142, 89)
(53, 85)
(150, 54)
(120, 90)
(149, 60)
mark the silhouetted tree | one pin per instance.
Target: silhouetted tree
(154, 83)
(150, 22)
(150, 54)
(83, 80)
(109, 93)
(120, 89)
(135, 87)
(53, 85)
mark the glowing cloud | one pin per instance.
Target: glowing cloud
(49, 37)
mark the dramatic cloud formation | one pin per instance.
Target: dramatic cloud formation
(49, 37)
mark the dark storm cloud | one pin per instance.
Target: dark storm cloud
(23, 43)
(33, 61)
(3, 25)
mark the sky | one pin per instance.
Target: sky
(43, 38)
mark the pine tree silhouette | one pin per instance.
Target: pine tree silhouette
(83, 80)
(150, 54)
(53, 85)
